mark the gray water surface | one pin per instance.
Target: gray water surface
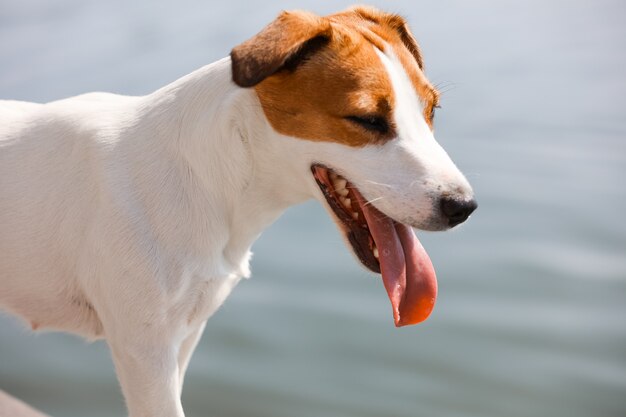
(531, 316)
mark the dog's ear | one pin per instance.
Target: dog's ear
(282, 43)
(395, 22)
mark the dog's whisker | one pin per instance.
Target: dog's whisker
(445, 86)
(379, 183)
(367, 203)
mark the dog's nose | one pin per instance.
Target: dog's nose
(457, 211)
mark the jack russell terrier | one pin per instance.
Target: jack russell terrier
(131, 218)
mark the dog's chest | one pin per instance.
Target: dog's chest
(204, 292)
(206, 296)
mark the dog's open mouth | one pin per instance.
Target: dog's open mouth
(383, 246)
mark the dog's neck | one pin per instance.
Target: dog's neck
(240, 175)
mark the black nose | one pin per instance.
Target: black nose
(457, 211)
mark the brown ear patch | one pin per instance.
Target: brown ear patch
(279, 43)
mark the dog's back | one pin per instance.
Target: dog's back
(12, 111)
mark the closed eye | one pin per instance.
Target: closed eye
(435, 107)
(372, 123)
(431, 116)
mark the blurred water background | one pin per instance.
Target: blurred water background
(531, 316)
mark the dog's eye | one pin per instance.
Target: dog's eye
(372, 123)
(432, 111)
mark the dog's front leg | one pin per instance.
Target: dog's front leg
(186, 350)
(147, 368)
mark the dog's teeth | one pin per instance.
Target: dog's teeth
(355, 215)
(375, 251)
(346, 202)
(332, 175)
(343, 192)
(340, 184)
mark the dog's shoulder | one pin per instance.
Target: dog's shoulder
(16, 107)
(12, 111)
(90, 106)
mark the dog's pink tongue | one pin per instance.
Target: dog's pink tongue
(407, 271)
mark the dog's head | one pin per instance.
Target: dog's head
(349, 92)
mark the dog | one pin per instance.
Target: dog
(131, 218)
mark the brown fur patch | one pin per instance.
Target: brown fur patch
(322, 89)
(388, 27)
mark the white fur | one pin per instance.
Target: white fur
(132, 218)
